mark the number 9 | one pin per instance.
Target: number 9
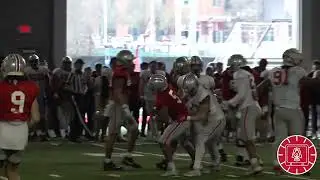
(18, 99)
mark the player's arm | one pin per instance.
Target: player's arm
(240, 87)
(35, 113)
(203, 111)
(263, 87)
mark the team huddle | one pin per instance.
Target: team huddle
(186, 103)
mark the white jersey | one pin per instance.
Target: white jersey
(216, 112)
(145, 76)
(286, 86)
(206, 81)
(244, 85)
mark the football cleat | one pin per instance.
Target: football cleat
(110, 166)
(128, 161)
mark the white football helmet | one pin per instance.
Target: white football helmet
(190, 84)
(237, 61)
(13, 65)
(158, 82)
(292, 57)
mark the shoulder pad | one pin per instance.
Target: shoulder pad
(300, 70)
(180, 81)
(241, 74)
(202, 94)
(56, 70)
(207, 81)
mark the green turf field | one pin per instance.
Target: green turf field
(46, 161)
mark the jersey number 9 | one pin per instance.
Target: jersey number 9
(18, 100)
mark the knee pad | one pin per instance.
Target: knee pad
(241, 143)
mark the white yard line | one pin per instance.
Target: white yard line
(228, 166)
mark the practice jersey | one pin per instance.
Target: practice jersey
(245, 89)
(145, 76)
(16, 100)
(286, 86)
(39, 76)
(61, 80)
(216, 112)
(176, 108)
(206, 81)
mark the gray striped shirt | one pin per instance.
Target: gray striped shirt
(78, 83)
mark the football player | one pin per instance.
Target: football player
(246, 102)
(60, 86)
(231, 115)
(19, 108)
(285, 82)
(169, 105)
(147, 95)
(208, 120)
(39, 75)
(118, 110)
(208, 82)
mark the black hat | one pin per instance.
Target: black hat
(79, 61)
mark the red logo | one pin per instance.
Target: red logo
(296, 155)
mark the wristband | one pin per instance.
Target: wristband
(188, 118)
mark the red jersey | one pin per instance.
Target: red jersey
(120, 71)
(263, 99)
(227, 92)
(16, 100)
(176, 108)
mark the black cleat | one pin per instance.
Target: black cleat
(163, 165)
(271, 139)
(128, 161)
(224, 157)
(241, 162)
(111, 167)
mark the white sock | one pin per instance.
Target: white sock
(171, 166)
(62, 133)
(220, 146)
(128, 154)
(197, 164)
(107, 160)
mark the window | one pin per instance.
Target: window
(217, 3)
(186, 2)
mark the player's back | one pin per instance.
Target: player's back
(16, 99)
(245, 87)
(216, 111)
(176, 108)
(286, 86)
(206, 81)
